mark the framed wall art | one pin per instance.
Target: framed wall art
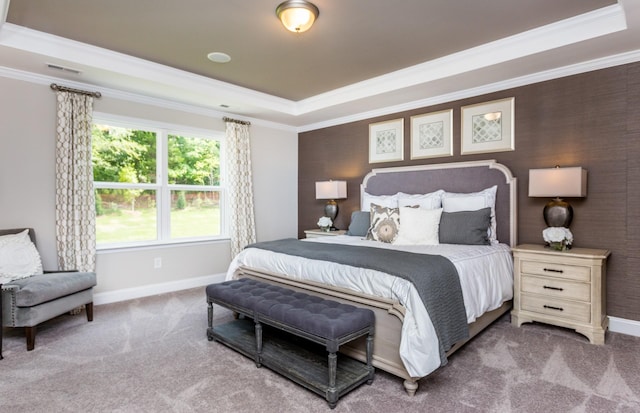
(386, 141)
(432, 135)
(488, 127)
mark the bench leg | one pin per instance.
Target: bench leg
(258, 358)
(332, 395)
(369, 358)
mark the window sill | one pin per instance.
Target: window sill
(158, 245)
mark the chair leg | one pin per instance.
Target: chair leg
(30, 332)
(89, 309)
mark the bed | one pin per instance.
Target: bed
(406, 344)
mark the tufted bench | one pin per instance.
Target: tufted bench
(326, 322)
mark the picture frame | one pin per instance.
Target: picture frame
(432, 135)
(488, 127)
(386, 141)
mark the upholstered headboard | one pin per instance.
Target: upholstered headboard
(464, 177)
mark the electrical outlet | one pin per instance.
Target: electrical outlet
(157, 262)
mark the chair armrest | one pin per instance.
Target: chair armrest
(56, 271)
(10, 288)
(8, 305)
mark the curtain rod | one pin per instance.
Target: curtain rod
(72, 90)
(241, 122)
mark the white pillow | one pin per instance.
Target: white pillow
(19, 258)
(473, 201)
(418, 226)
(432, 200)
(387, 201)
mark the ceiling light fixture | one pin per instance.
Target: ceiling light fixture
(297, 15)
(219, 57)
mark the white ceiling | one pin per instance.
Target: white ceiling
(362, 58)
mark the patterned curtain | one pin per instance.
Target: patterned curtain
(238, 152)
(75, 199)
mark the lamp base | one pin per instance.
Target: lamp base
(558, 213)
(331, 210)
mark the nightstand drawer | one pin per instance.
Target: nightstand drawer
(553, 287)
(316, 233)
(561, 309)
(570, 272)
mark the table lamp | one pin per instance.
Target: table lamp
(331, 190)
(558, 182)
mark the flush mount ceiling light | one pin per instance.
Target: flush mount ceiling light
(219, 57)
(297, 15)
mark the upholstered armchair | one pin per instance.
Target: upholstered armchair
(27, 302)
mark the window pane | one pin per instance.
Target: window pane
(125, 215)
(123, 155)
(193, 161)
(195, 214)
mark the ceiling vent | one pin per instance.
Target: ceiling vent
(64, 69)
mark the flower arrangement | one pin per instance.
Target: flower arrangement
(325, 223)
(559, 238)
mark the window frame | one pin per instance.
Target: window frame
(161, 187)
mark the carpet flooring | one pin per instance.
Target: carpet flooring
(152, 355)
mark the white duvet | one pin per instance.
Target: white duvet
(486, 278)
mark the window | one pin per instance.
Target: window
(155, 185)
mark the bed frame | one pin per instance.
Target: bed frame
(453, 177)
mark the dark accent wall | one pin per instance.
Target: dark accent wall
(590, 120)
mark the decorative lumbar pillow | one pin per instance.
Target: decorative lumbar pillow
(473, 201)
(389, 201)
(419, 226)
(385, 223)
(19, 258)
(360, 222)
(432, 200)
(465, 227)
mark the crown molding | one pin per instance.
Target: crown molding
(579, 28)
(79, 53)
(572, 30)
(583, 67)
(137, 98)
(4, 9)
(586, 26)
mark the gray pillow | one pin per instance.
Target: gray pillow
(465, 227)
(359, 223)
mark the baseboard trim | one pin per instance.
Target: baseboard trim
(147, 290)
(624, 326)
(616, 324)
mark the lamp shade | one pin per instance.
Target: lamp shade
(558, 182)
(331, 190)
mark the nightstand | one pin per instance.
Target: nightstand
(563, 288)
(315, 233)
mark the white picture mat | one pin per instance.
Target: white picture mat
(504, 140)
(440, 123)
(386, 141)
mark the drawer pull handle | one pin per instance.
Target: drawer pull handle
(553, 270)
(550, 307)
(552, 288)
